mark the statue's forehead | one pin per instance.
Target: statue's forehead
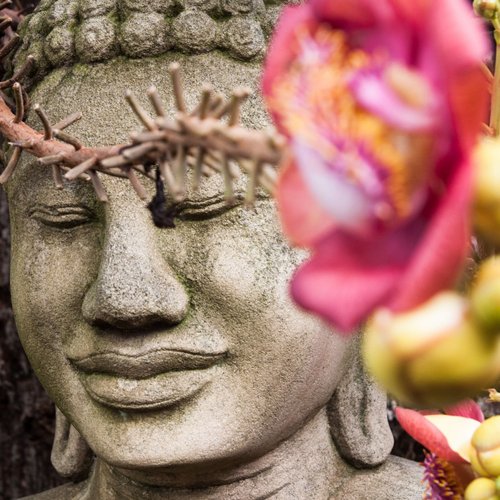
(63, 32)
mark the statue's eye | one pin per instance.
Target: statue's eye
(62, 216)
(204, 209)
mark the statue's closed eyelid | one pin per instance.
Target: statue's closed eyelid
(205, 209)
(210, 208)
(62, 216)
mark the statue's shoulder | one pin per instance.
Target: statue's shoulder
(396, 479)
(70, 491)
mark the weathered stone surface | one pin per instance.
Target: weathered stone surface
(161, 6)
(60, 46)
(38, 25)
(91, 8)
(144, 34)
(239, 6)
(244, 37)
(270, 18)
(212, 6)
(195, 31)
(96, 40)
(62, 12)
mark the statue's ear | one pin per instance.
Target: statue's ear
(71, 455)
(358, 417)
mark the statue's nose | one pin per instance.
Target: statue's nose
(135, 286)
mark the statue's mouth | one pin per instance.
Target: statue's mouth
(149, 381)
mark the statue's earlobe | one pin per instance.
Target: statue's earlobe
(358, 418)
(71, 455)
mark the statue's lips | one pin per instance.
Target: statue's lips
(146, 382)
(146, 365)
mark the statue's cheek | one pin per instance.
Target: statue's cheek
(51, 270)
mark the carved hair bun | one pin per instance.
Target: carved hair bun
(64, 32)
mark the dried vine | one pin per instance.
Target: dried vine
(206, 140)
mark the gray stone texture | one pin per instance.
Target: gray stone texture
(91, 8)
(59, 46)
(195, 31)
(161, 6)
(144, 34)
(243, 37)
(62, 12)
(96, 40)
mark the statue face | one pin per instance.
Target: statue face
(162, 346)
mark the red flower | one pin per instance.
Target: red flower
(446, 435)
(382, 102)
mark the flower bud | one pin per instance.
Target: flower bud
(486, 448)
(486, 211)
(481, 489)
(431, 356)
(486, 8)
(485, 295)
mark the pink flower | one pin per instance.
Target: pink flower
(382, 102)
(446, 435)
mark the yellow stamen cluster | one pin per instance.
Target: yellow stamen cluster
(316, 106)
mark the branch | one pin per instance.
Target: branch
(163, 150)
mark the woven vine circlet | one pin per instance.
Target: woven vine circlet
(64, 32)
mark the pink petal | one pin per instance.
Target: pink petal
(427, 434)
(469, 100)
(467, 408)
(353, 13)
(463, 82)
(346, 203)
(304, 221)
(373, 94)
(348, 277)
(455, 51)
(285, 44)
(342, 296)
(439, 255)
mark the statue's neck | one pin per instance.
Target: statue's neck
(303, 466)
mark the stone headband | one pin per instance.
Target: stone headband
(64, 32)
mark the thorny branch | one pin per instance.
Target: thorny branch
(208, 139)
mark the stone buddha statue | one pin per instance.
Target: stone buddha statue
(179, 365)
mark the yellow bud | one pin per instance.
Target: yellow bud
(476, 465)
(485, 295)
(481, 489)
(433, 355)
(486, 8)
(486, 444)
(486, 212)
